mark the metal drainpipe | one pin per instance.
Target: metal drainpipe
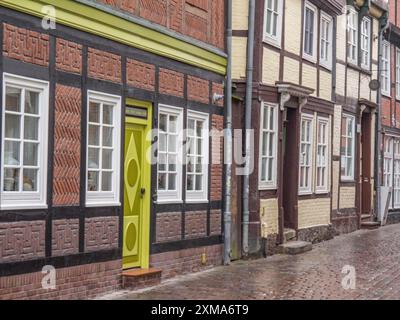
(248, 110)
(228, 140)
(378, 138)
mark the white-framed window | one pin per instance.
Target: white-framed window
(347, 148)
(326, 40)
(388, 164)
(197, 142)
(273, 21)
(306, 153)
(352, 35)
(396, 187)
(322, 162)
(24, 143)
(397, 73)
(310, 32)
(365, 42)
(385, 68)
(268, 145)
(169, 154)
(103, 149)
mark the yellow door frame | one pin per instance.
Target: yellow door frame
(144, 249)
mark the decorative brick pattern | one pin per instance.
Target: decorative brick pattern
(198, 90)
(26, 45)
(176, 263)
(65, 237)
(218, 23)
(73, 283)
(201, 4)
(168, 227)
(171, 82)
(176, 14)
(104, 65)
(68, 56)
(101, 233)
(20, 241)
(216, 223)
(140, 74)
(154, 10)
(218, 88)
(217, 153)
(67, 146)
(195, 224)
(196, 26)
(125, 5)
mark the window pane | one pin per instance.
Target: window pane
(106, 181)
(172, 181)
(11, 179)
(191, 163)
(107, 114)
(12, 126)
(13, 99)
(94, 112)
(199, 147)
(265, 143)
(162, 162)
(190, 182)
(162, 181)
(163, 122)
(263, 170)
(172, 162)
(11, 153)
(271, 118)
(31, 128)
(199, 183)
(270, 165)
(199, 128)
(172, 143)
(30, 180)
(31, 102)
(173, 121)
(107, 136)
(94, 135)
(107, 159)
(199, 166)
(93, 181)
(93, 162)
(30, 154)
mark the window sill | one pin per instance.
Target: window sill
(267, 188)
(305, 193)
(191, 201)
(387, 95)
(272, 42)
(102, 204)
(169, 202)
(309, 58)
(327, 67)
(6, 207)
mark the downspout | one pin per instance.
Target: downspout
(383, 25)
(228, 140)
(248, 110)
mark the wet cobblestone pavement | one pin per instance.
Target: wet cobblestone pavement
(317, 274)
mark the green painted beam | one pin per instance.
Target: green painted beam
(104, 24)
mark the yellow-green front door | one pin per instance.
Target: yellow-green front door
(136, 187)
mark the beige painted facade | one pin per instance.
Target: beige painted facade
(269, 217)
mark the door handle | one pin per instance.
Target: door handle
(142, 192)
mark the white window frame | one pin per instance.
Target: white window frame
(352, 41)
(270, 38)
(303, 190)
(326, 61)
(385, 80)
(269, 184)
(200, 196)
(326, 145)
(388, 165)
(172, 196)
(365, 43)
(396, 173)
(397, 73)
(28, 199)
(312, 57)
(353, 137)
(105, 198)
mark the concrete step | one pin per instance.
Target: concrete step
(134, 279)
(370, 225)
(289, 234)
(295, 247)
(366, 217)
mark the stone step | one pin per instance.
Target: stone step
(295, 247)
(370, 225)
(137, 278)
(366, 217)
(289, 234)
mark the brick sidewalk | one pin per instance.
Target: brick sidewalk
(313, 275)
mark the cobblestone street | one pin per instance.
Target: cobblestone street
(313, 275)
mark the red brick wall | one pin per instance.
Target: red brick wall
(104, 65)
(216, 222)
(25, 45)
(171, 82)
(65, 237)
(68, 56)
(140, 75)
(168, 227)
(201, 19)
(217, 152)
(67, 148)
(20, 241)
(73, 283)
(101, 233)
(198, 89)
(218, 88)
(181, 262)
(195, 224)
(386, 115)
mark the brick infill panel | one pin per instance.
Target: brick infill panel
(171, 82)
